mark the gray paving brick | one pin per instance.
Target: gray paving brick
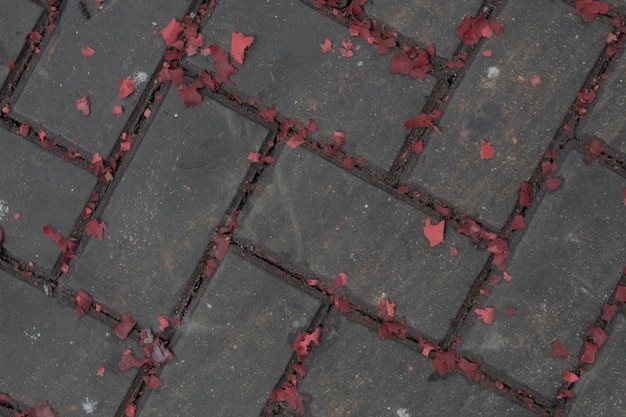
(15, 24)
(126, 44)
(516, 119)
(606, 121)
(168, 204)
(430, 21)
(564, 270)
(353, 373)
(42, 190)
(285, 67)
(48, 353)
(599, 392)
(315, 214)
(235, 347)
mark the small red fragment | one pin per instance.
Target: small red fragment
(147, 113)
(510, 311)
(608, 311)
(589, 354)
(95, 228)
(471, 29)
(403, 189)
(499, 385)
(190, 95)
(130, 411)
(525, 196)
(434, 233)
(238, 45)
(424, 120)
(82, 104)
(117, 110)
(100, 371)
(83, 303)
(471, 369)
(418, 147)
(295, 141)
(553, 184)
(487, 314)
(254, 157)
(620, 294)
(340, 280)
(597, 335)
(171, 32)
(535, 81)
(486, 150)
(518, 222)
(23, 130)
(454, 252)
(124, 327)
(591, 8)
(304, 341)
(87, 51)
(346, 49)
(268, 114)
(487, 52)
(126, 87)
(596, 148)
(42, 410)
(559, 350)
(326, 46)
(444, 362)
(569, 376)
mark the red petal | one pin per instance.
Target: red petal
(620, 294)
(117, 109)
(254, 157)
(418, 147)
(220, 249)
(487, 314)
(56, 236)
(559, 350)
(525, 194)
(171, 32)
(326, 46)
(340, 280)
(130, 411)
(486, 150)
(518, 222)
(295, 141)
(596, 148)
(444, 362)
(124, 327)
(470, 369)
(126, 87)
(598, 335)
(510, 311)
(100, 371)
(268, 114)
(83, 303)
(553, 183)
(608, 312)
(434, 233)
(95, 228)
(87, 51)
(424, 120)
(339, 138)
(190, 96)
(42, 410)
(589, 355)
(238, 44)
(535, 81)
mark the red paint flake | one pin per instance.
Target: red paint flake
(389, 328)
(535, 81)
(220, 248)
(95, 228)
(87, 51)
(254, 157)
(56, 236)
(434, 233)
(500, 248)
(471, 369)
(268, 159)
(454, 252)
(444, 211)
(171, 32)
(596, 148)
(507, 277)
(83, 303)
(340, 280)
(42, 410)
(471, 29)
(525, 196)
(403, 189)
(117, 110)
(487, 314)
(518, 222)
(304, 341)
(417, 147)
(597, 335)
(444, 362)
(126, 87)
(190, 95)
(487, 52)
(553, 184)
(326, 46)
(559, 350)
(288, 393)
(413, 63)
(130, 411)
(386, 310)
(591, 8)
(608, 311)
(238, 45)
(569, 377)
(100, 371)
(124, 326)
(424, 120)
(295, 141)
(620, 294)
(268, 114)
(589, 354)
(339, 138)
(486, 150)
(23, 130)
(222, 64)
(510, 311)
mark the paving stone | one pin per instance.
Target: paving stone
(600, 391)
(126, 44)
(315, 214)
(15, 24)
(169, 202)
(285, 67)
(427, 21)
(48, 353)
(353, 373)
(41, 190)
(564, 270)
(606, 120)
(236, 346)
(516, 119)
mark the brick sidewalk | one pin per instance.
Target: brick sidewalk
(316, 207)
